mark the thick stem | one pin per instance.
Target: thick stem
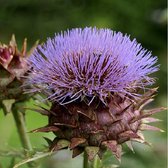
(85, 160)
(20, 124)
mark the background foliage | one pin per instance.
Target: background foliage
(143, 19)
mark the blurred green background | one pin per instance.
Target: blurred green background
(144, 20)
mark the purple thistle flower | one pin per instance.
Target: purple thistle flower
(90, 62)
(90, 65)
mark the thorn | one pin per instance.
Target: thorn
(41, 111)
(89, 114)
(138, 140)
(148, 113)
(144, 104)
(145, 98)
(129, 134)
(129, 145)
(142, 141)
(33, 48)
(46, 110)
(46, 129)
(24, 47)
(66, 125)
(13, 41)
(83, 110)
(148, 144)
(76, 141)
(150, 120)
(150, 127)
(150, 92)
(126, 108)
(155, 110)
(140, 134)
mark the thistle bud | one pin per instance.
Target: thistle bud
(97, 82)
(12, 67)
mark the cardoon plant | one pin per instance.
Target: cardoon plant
(98, 82)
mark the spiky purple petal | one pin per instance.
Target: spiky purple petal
(90, 62)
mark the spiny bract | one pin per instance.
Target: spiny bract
(13, 66)
(96, 80)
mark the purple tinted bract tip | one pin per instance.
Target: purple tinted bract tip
(90, 62)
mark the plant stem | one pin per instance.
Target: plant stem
(21, 127)
(85, 160)
(95, 162)
(20, 124)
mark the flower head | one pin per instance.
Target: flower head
(90, 62)
(93, 77)
(13, 65)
